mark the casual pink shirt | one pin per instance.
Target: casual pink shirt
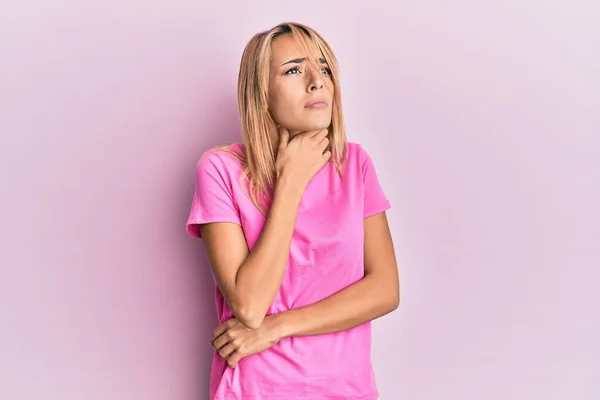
(326, 255)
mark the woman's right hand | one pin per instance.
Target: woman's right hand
(300, 158)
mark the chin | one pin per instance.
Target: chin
(309, 124)
(316, 125)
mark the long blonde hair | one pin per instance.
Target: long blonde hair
(258, 126)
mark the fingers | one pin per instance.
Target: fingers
(218, 331)
(318, 138)
(317, 135)
(221, 341)
(322, 142)
(230, 353)
(284, 138)
(320, 135)
(227, 350)
(221, 329)
(234, 359)
(225, 342)
(323, 145)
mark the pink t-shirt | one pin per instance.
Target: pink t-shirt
(326, 255)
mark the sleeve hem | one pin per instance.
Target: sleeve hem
(379, 209)
(193, 224)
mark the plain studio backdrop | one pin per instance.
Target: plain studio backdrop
(482, 119)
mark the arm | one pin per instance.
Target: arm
(250, 280)
(377, 294)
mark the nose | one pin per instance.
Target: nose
(315, 79)
(316, 85)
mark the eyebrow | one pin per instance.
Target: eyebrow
(301, 60)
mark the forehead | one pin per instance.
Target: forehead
(285, 47)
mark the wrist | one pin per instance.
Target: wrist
(288, 187)
(279, 326)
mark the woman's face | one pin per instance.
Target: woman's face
(300, 95)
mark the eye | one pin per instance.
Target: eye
(292, 71)
(326, 70)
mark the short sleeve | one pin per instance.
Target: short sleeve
(213, 199)
(375, 200)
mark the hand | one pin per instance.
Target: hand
(234, 340)
(300, 158)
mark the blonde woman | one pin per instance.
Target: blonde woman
(293, 221)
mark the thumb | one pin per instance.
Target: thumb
(284, 137)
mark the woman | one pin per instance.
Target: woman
(294, 223)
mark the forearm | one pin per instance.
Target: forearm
(363, 301)
(260, 275)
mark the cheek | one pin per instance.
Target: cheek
(278, 109)
(330, 87)
(284, 103)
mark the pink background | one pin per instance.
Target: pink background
(482, 119)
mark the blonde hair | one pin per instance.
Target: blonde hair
(258, 126)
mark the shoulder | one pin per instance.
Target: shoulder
(356, 154)
(221, 159)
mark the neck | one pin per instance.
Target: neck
(294, 133)
(276, 137)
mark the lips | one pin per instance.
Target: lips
(317, 103)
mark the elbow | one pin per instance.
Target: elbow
(250, 318)
(252, 323)
(393, 301)
(388, 295)
(246, 311)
